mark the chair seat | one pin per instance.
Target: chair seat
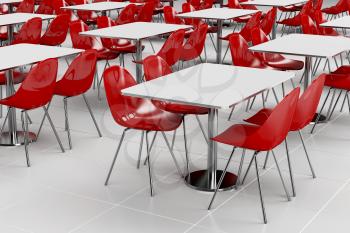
(339, 81)
(212, 29)
(242, 19)
(150, 118)
(106, 54)
(345, 69)
(18, 77)
(260, 117)
(241, 135)
(334, 10)
(292, 8)
(294, 22)
(286, 64)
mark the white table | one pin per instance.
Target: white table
(13, 56)
(99, 6)
(219, 14)
(343, 22)
(214, 86)
(274, 3)
(136, 32)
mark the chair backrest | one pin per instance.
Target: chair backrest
(206, 4)
(276, 127)
(145, 13)
(57, 6)
(103, 22)
(307, 103)
(45, 7)
(170, 16)
(194, 45)
(127, 15)
(172, 47)
(78, 41)
(30, 32)
(187, 7)
(268, 21)
(319, 19)
(234, 4)
(155, 67)
(122, 107)
(308, 26)
(253, 22)
(26, 6)
(307, 8)
(57, 31)
(241, 55)
(39, 85)
(80, 74)
(318, 5)
(194, 3)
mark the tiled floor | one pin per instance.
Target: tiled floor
(64, 193)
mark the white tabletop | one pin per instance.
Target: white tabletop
(17, 18)
(23, 54)
(217, 13)
(274, 3)
(343, 22)
(10, 1)
(306, 45)
(210, 85)
(135, 31)
(99, 6)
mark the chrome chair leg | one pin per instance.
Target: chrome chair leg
(173, 140)
(26, 137)
(259, 186)
(150, 149)
(42, 121)
(186, 152)
(53, 129)
(149, 165)
(232, 109)
(65, 104)
(280, 174)
(240, 170)
(289, 168)
(92, 115)
(115, 156)
(335, 105)
(221, 179)
(319, 115)
(307, 155)
(172, 154)
(247, 171)
(202, 129)
(140, 150)
(266, 159)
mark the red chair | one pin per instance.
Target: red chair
(76, 82)
(56, 32)
(194, 45)
(57, 6)
(89, 17)
(261, 138)
(206, 4)
(340, 7)
(304, 114)
(30, 32)
(235, 4)
(136, 113)
(194, 3)
(35, 92)
(86, 42)
(274, 60)
(308, 26)
(245, 32)
(326, 31)
(268, 21)
(45, 7)
(145, 13)
(296, 20)
(26, 6)
(170, 16)
(127, 15)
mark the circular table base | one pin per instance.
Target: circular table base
(5, 139)
(199, 181)
(322, 118)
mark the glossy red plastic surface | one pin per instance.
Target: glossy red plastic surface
(56, 32)
(305, 110)
(339, 81)
(37, 88)
(127, 15)
(172, 47)
(89, 17)
(274, 60)
(57, 6)
(26, 6)
(194, 45)
(267, 136)
(170, 16)
(145, 13)
(155, 67)
(18, 77)
(87, 42)
(131, 112)
(268, 21)
(186, 7)
(116, 45)
(308, 26)
(45, 7)
(340, 7)
(319, 19)
(79, 75)
(30, 32)
(253, 22)
(296, 20)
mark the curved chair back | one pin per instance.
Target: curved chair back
(78, 41)
(308, 26)
(127, 15)
(57, 31)
(170, 16)
(45, 7)
(253, 22)
(234, 4)
(195, 43)
(187, 7)
(26, 6)
(155, 67)
(145, 13)
(30, 32)
(268, 21)
(172, 47)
